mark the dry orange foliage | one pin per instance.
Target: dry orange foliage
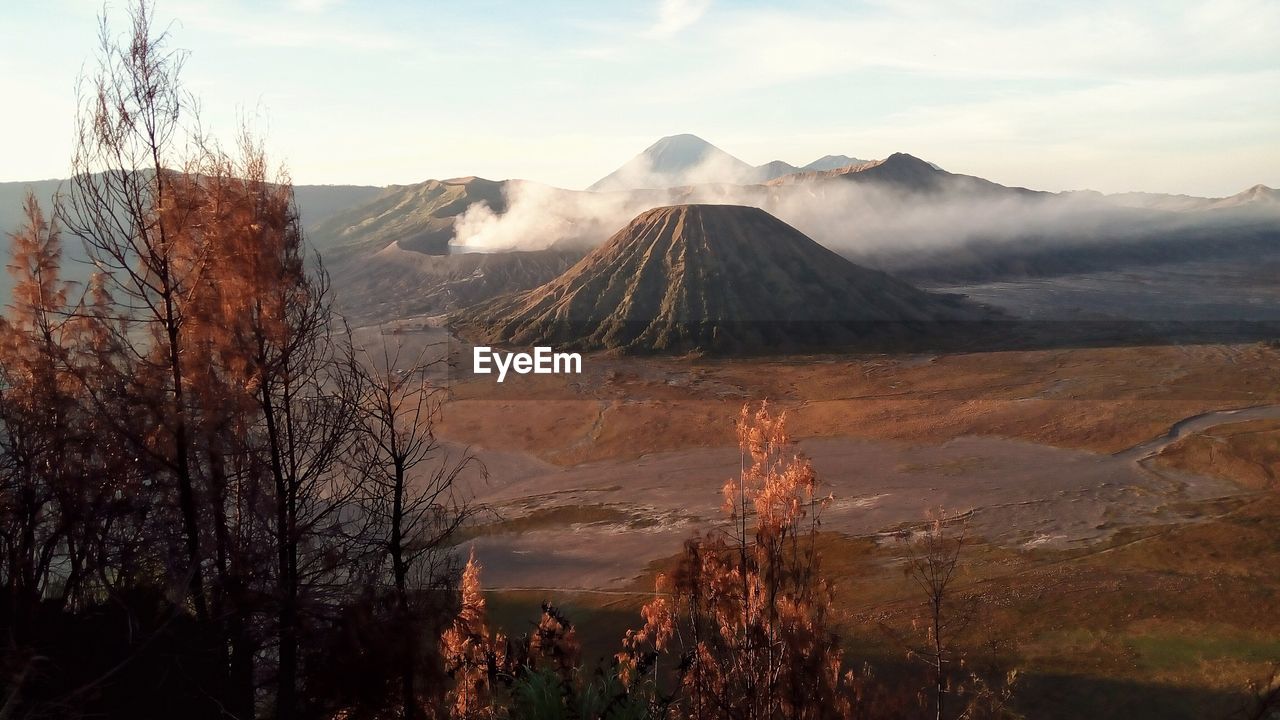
(746, 612)
(471, 653)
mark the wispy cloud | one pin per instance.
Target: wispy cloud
(314, 6)
(750, 48)
(300, 24)
(1113, 95)
(676, 15)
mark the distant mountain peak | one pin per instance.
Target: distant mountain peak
(774, 169)
(674, 161)
(686, 159)
(832, 162)
(688, 140)
(899, 168)
(682, 137)
(902, 159)
(1259, 196)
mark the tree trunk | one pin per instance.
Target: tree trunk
(408, 663)
(182, 464)
(241, 670)
(939, 682)
(287, 672)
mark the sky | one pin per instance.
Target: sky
(1178, 96)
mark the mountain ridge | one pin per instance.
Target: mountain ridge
(686, 159)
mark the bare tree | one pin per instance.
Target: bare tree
(127, 203)
(239, 387)
(35, 409)
(932, 564)
(282, 382)
(1264, 703)
(309, 425)
(410, 496)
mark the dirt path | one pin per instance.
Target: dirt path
(1195, 424)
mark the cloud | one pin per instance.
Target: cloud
(676, 15)
(313, 6)
(757, 47)
(1116, 96)
(883, 225)
(302, 24)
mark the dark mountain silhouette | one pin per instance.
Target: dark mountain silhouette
(317, 203)
(397, 283)
(909, 173)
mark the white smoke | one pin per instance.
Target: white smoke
(540, 216)
(891, 226)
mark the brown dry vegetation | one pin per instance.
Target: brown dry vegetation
(1158, 622)
(1153, 622)
(1097, 399)
(1247, 453)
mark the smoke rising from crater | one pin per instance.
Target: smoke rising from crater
(901, 218)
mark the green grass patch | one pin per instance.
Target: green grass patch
(1180, 652)
(558, 517)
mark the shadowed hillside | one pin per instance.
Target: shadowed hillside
(904, 172)
(396, 283)
(316, 204)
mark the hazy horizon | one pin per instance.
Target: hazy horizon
(1091, 95)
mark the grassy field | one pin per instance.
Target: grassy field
(1166, 622)
(1103, 400)
(1241, 452)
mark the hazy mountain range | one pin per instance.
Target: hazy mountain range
(316, 203)
(901, 214)
(486, 215)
